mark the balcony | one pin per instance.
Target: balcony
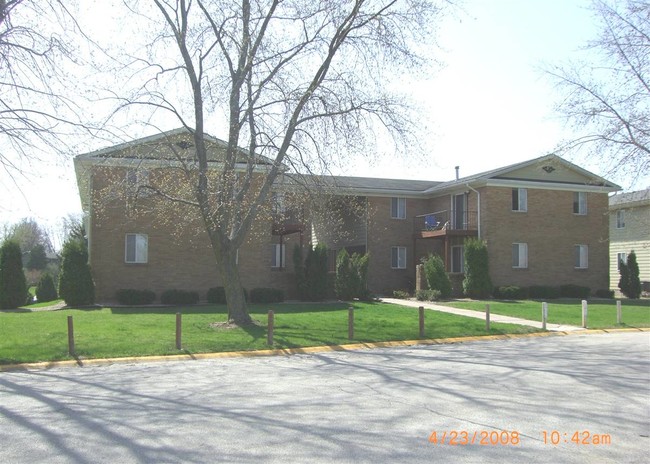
(445, 223)
(288, 222)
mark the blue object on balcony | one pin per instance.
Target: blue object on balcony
(430, 222)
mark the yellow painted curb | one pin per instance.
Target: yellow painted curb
(293, 351)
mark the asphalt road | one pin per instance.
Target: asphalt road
(379, 405)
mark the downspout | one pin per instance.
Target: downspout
(478, 196)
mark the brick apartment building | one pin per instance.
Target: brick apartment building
(545, 222)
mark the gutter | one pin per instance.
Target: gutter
(478, 218)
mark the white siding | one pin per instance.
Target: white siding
(634, 236)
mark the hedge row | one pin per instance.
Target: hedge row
(215, 295)
(547, 292)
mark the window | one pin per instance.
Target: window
(136, 248)
(398, 208)
(581, 256)
(520, 255)
(620, 219)
(277, 255)
(620, 258)
(519, 199)
(580, 203)
(398, 257)
(136, 179)
(457, 259)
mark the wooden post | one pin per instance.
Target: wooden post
(585, 310)
(421, 311)
(178, 331)
(269, 334)
(619, 312)
(350, 323)
(71, 350)
(487, 317)
(544, 315)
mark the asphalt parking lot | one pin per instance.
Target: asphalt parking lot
(518, 400)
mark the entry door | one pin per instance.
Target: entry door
(460, 211)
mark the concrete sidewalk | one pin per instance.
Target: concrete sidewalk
(481, 315)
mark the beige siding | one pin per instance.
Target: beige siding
(641, 250)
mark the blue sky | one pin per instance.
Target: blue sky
(489, 105)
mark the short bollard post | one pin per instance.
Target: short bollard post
(584, 313)
(350, 323)
(178, 331)
(619, 312)
(544, 315)
(269, 334)
(421, 310)
(70, 337)
(487, 317)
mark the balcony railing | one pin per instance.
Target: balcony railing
(288, 222)
(445, 221)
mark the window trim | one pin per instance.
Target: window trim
(578, 249)
(620, 219)
(142, 260)
(279, 251)
(522, 200)
(520, 246)
(580, 203)
(395, 203)
(618, 259)
(395, 264)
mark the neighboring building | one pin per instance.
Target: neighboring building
(544, 221)
(629, 229)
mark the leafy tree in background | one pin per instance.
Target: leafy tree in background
(13, 286)
(46, 290)
(37, 259)
(76, 285)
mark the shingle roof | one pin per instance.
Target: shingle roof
(625, 199)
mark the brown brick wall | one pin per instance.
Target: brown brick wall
(179, 251)
(551, 230)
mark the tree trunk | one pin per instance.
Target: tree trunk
(237, 310)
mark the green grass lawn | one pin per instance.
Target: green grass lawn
(116, 332)
(601, 313)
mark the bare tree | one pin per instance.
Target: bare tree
(38, 91)
(300, 82)
(607, 99)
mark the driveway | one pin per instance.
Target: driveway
(379, 405)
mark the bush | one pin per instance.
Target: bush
(76, 285)
(312, 279)
(436, 277)
(133, 297)
(13, 286)
(266, 295)
(511, 292)
(216, 295)
(630, 283)
(37, 258)
(401, 294)
(179, 297)
(46, 290)
(477, 283)
(351, 276)
(543, 292)
(427, 295)
(605, 293)
(574, 291)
